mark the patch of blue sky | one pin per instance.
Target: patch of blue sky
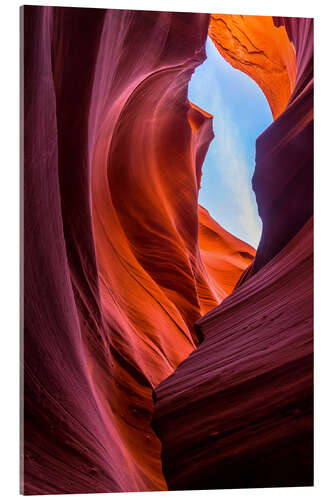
(241, 113)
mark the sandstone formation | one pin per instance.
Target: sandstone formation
(119, 260)
(125, 274)
(253, 45)
(238, 412)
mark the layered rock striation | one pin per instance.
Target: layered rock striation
(238, 412)
(123, 271)
(119, 260)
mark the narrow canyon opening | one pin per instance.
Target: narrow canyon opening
(140, 289)
(240, 114)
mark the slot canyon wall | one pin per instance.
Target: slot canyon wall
(113, 274)
(124, 273)
(238, 412)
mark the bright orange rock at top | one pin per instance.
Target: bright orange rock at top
(255, 46)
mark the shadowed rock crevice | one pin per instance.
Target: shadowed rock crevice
(238, 412)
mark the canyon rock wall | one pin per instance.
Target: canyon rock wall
(238, 412)
(278, 54)
(283, 177)
(119, 260)
(255, 46)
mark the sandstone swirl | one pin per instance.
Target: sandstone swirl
(120, 261)
(238, 412)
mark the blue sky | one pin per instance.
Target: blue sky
(241, 113)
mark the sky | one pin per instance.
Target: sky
(241, 113)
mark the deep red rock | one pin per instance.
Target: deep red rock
(120, 262)
(114, 277)
(238, 412)
(283, 177)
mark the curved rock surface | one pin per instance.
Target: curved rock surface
(253, 45)
(283, 176)
(278, 54)
(114, 276)
(222, 254)
(238, 412)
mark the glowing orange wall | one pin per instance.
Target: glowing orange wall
(255, 46)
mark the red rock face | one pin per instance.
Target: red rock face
(283, 177)
(122, 265)
(238, 412)
(119, 259)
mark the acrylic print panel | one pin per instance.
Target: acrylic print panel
(168, 287)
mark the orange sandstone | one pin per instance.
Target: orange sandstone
(254, 45)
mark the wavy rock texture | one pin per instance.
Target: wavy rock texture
(238, 412)
(114, 276)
